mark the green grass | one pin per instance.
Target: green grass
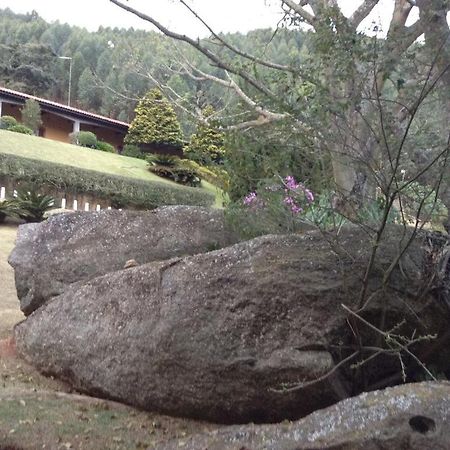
(84, 158)
(46, 150)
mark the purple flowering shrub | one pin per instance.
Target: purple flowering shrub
(276, 206)
(295, 196)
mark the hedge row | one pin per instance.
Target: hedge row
(120, 191)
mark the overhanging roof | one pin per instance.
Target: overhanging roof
(49, 106)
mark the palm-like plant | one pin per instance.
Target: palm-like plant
(31, 206)
(7, 208)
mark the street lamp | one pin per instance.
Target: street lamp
(70, 76)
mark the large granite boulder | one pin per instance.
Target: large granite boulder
(218, 335)
(69, 248)
(412, 416)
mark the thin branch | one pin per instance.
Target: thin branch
(300, 10)
(362, 12)
(236, 50)
(299, 386)
(201, 48)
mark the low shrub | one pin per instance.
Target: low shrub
(186, 177)
(212, 174)
(84, 139)
(120, 191)
(157, 159)
(19, 128)
(7, 209)
(31, 206)
(105, 147)
(133, 151)
(6, 122)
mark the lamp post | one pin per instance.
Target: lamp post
(70, 76)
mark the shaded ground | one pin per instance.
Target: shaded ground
(38, 412)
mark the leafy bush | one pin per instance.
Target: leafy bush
(32, 206)
(120, 191)
(6, 122)
(19, 128)
(105, 147)
(8, 208)
(133, 151)
(207, 143)
(163, 160)
(84, 139)
(186, 177)
(213, 174)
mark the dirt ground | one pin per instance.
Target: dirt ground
(42, 413)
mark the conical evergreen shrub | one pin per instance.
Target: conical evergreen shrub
(155, 122)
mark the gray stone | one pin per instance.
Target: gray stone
(69, 248)
(217, 335)
(412, 416)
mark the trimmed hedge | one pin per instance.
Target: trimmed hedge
(120, 191)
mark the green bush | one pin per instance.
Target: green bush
(163, 160)
(105, 147)
(32, 206)
(19, 128)
(6, 122)
(155, 121)
(133, 151)
(84, 139)
(212, 174)
(8, 208)
(186, 177)
(120, 191)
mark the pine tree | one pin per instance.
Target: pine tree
(31, 115)
(155, 122)
(207, 143)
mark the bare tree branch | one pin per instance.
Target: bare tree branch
(362, 12)
(201, 48)
(236, 50)
(300, 10)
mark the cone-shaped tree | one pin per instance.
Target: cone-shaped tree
(155, 122)
(207, 143)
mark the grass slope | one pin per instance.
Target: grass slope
(41, 149)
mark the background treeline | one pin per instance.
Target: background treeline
(113, 68)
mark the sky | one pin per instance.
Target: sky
(225, 16)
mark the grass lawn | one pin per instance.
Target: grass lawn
(34, 147)
(9, 304)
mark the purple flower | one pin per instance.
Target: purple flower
(289, 201)
(250, 198)
(290, 183)
(296, 209)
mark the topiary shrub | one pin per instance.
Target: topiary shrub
(207, 143)
(105, 147)
(20, 129)
(6, 122)
(133, 151)
(155, 122)
(84, 139)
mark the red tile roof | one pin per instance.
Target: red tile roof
(64, 108)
